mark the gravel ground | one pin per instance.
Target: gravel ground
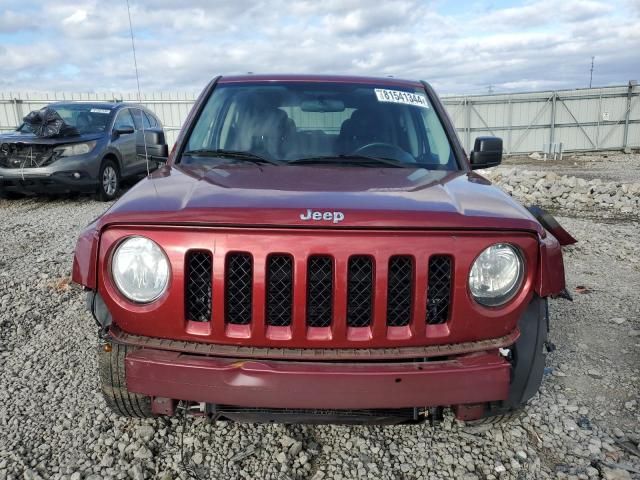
(54, 423)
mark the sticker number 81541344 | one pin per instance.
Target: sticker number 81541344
(397, 96)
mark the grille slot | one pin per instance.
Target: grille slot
(360, 291)
(319, 291)
(238, 288)
(439, 292)
(198, 286)
(279, 290)
(399, 291)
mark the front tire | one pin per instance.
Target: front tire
(108, 181)
(528, 359)
(114, 385)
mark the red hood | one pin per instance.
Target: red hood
(277, 196)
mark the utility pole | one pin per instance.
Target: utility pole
(591, 72)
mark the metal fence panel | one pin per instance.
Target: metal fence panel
(593, 119)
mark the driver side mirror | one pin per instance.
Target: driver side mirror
(487, 152)
(124, 130)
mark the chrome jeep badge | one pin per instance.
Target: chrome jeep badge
(335, 217)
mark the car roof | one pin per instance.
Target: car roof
(108, 105)
(387, 81)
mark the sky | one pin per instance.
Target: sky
(459, 47)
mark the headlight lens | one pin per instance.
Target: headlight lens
(496, 275)
(74, 149)
(140, 269)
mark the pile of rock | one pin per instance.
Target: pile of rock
(548, 189)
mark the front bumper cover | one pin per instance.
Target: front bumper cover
(465, 379)
(11, 181)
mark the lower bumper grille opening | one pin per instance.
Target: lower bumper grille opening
(439, 290)
(238, 288)
(315, 416)
(279, 290)
(360, 291)
(198, 286)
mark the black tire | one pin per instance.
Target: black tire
(108, 180)
(111, 367)
(528, 360)
(497, 419)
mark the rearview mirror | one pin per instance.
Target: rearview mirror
(487, 152)
(322, 105)
(124, 130)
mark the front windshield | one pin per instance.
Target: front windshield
(295, 122)
(85, 117)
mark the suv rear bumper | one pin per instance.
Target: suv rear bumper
(464, 379)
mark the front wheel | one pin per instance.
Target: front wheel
(109, 181)
(114, 385)
(527, 357)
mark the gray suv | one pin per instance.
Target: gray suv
(99, 146)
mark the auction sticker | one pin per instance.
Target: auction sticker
(398, 96)
(100, 110)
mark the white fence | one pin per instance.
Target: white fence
(569, 120)
(572, 120)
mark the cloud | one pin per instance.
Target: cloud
(76, 18)
(12, 22)
(182, 44)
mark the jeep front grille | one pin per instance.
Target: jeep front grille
(238, 288)
(279, 290)
(319, 289)
(399, 291)
(198, 286)
(439, 290)
(360, 291)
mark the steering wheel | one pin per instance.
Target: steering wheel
(386, 150)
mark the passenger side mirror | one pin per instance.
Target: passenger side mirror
(487, 152)
(124, 130)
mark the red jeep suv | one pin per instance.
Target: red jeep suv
(319, 249)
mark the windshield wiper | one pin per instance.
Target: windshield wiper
(236, 154)
(363, 160)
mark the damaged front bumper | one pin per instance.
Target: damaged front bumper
(43, 180)
(168, 376)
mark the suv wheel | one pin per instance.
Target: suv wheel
(114, 386)
(528, 359)
(109, 181)
(497, 419)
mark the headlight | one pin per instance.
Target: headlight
(496, 275)
(140, 269)
(74, 149)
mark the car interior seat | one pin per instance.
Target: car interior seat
(366, 125)
(267, 130)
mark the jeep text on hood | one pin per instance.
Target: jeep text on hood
(325, 237)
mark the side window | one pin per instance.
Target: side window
(149, 121)
(437, 140)
(123, 119)
(137, 118)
